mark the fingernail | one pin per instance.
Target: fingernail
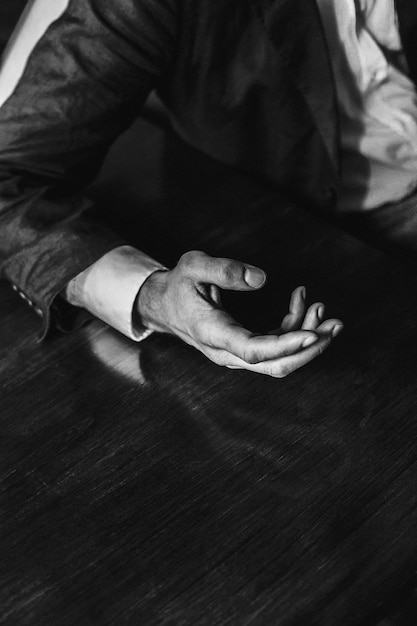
(309, 341)
(336, 330)
(254, 277)
(320, 312)
(303, 293)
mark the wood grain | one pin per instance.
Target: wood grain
(145, 485)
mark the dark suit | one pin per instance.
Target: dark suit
(247, 81)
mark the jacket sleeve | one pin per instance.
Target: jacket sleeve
(83, 85)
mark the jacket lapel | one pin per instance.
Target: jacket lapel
(407, 20)
(295, 29)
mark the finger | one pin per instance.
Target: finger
(225, 273)
(215, 295)
(324, 327)
(294, 318)
(221, 332)
(330, 327)
(314, 316)
(282, 367)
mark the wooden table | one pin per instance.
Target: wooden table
(143, 485)
(10, 11)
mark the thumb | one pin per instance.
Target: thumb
(225, 273)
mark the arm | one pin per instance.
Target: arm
(83, 85)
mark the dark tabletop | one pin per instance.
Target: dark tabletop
(10, 11)
(144, 485)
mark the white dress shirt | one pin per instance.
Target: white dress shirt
(377, 103)
(109, 288)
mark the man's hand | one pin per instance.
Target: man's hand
(186, 302)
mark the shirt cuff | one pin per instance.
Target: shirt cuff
(108, 288)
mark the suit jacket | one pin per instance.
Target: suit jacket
(247, 81)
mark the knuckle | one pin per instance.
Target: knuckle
(251, 356)
(228, 271)
(189, 259)
(322, 345)
(282, 371)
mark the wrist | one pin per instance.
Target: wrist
(148, 304)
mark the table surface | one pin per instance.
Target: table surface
(142, 484)
(10, 11)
